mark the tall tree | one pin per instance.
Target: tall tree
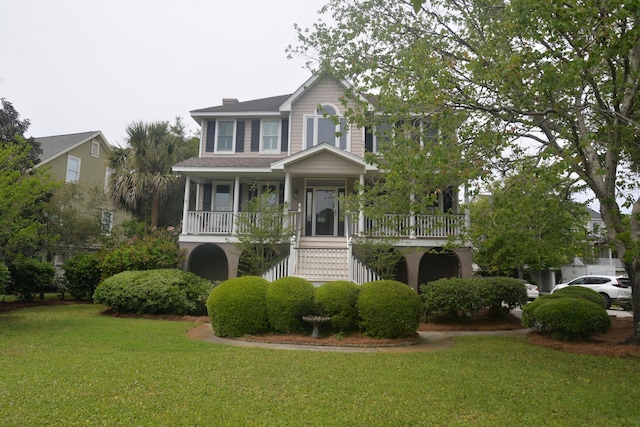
(531, 77)
(23, 195)
(527, 221)
(142, 176)
(12, 131)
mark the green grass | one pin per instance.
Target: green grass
(68, 365)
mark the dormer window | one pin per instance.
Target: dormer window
(322, 127)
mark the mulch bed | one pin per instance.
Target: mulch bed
(614, 343)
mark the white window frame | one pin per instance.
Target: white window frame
(106, 221)
(217, 137)
(71, 158)
(377, 138)
(316, 117)
(95, 149)
(278, 136)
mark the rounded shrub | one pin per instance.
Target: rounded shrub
(164, 291)
(503, 294)
(453, 298)
(571, 318)
(581, 292)
(528, 321)
(238, 307)
(388, 309)
(288, 299)
(82, 273)
(338, 300)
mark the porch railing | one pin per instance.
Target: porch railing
(391, 225)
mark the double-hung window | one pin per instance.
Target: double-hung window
(225, 135)
(270, 136)
(73, 169)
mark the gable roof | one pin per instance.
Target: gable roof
(53, 146)
(320, 148)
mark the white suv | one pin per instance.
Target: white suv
(613, 289)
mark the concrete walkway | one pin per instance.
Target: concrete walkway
(429, 341)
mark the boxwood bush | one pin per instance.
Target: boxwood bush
(570, 318)
(288, 299)
(164, 291)
(338, 300)
(460, 299)
(388, 309)
(82, 273)
(581, 292)
(238, 307)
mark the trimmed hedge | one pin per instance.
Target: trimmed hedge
(288, 299)
(581, 292)
(570, 318)
(238, 307)
(82, 274)
(388, 309)
(338, 300)
(456, 298)
(164, 291)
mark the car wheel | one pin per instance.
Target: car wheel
(607, 300)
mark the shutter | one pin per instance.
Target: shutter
(284, 146)
(240, 136)
(255, 135)
(206, 197)
(368, 140)
(211, 135)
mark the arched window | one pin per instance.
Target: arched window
(322, 127)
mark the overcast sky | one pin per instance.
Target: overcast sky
(73, 66)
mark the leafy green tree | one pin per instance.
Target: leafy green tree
(12, 131)
(263, 234)
(142, 178)
(23, 196)
(552, 79)
(74, 221)
(528, 221)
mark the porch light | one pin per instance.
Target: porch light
(295, 193)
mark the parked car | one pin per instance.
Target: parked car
(614, 290)
(532, 291)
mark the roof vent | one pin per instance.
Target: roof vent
(228, 101)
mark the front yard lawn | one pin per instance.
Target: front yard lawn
(70, 365)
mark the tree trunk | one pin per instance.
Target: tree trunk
(633, 271)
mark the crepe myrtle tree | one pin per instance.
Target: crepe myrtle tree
(517, 78)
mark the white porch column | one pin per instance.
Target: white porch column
(361, 213)
(236, 203)
(467, 212)
(287, 199)
(185, 206)
(412, 218)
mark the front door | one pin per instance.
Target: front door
(324, 206)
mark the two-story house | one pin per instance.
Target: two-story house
(300, 147)
(81, 160)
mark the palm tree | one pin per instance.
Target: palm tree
(141, 172)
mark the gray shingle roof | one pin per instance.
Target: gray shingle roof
(265, 104)
(227, 162)
(54, 145)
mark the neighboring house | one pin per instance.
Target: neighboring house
(81, 159)
(600, 258)
(288, 145)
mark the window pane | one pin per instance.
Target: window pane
(326, 131)
(225, 136)
(222, 201)
(270, 132)
(73, 169)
